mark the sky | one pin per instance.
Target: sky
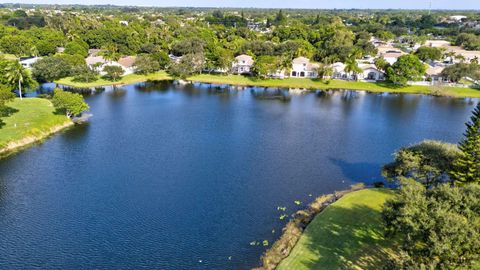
(322, 4)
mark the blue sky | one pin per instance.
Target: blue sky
(326, 4)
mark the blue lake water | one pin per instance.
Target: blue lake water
(185, 177)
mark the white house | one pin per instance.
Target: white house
(127, 63)
(303, 68)
(243, 64)
(391, 56)
(28, 62)
(370, 73)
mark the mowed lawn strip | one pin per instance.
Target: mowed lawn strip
(347, 235)
(281, 83)
(32, 117)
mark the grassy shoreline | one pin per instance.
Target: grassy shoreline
(32, 120)
(345, 233)
(312, 84)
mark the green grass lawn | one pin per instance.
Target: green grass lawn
(283, 83)
(33, 117)
(127, 79)
(347, 235)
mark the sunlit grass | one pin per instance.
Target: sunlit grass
(347, 235)
(29, 117)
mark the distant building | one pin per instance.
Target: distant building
(369, 73)
(391, 56)
(128, 64)
(303, 68)
(124, 23)
(94, 52)
(28, 62)
(458, 18)
(242, 65)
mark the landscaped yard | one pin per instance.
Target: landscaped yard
(33, 117)
(283, 83)
(347, 235)
(127, 79)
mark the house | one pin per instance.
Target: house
(338, 69)
(243, 64)
(28, 62)
(125, 23)
(457, 18)
(370, 73)
(128, 64)
(94, 52)
(60, 49)
(391, 56)
(434, 74)
(303, 68)
(174, 59)
(96, 62)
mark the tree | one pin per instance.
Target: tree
(407, 68)
(16, 75)
(5, 95)
(85, 73)
(145, 64)
(437, 228)
(458, 71)
(381, 63)
(266, 65)
(75, 47)
(51, 68)
(71, 104)
(351, 66)
(467, 165)
(324, 71)
(428, 162)
(113, 73)
(429, 53)
(280, 18)
(162, 58)
(189, 65)
(18, 45)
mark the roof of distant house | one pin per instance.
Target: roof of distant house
(94, 52)
(434, 70)
(391, 54)
(301, 60)
(92, 60)
(243, 57)
(127, 61)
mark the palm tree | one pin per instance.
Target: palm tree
(14, 73)
(450, 55)
(351, 66)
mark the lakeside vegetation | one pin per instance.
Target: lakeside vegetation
(30, 117)
(311, 84)
(348, 234)
(429, 222)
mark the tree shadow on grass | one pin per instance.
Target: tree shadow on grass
(6, 111)
(347, 238)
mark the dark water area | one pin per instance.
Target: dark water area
(186, 177)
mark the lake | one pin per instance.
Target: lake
(168, 176)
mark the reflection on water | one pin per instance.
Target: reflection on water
(165, 175)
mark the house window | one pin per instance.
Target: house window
(241, 69)
(302, 74)
(294, 74)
